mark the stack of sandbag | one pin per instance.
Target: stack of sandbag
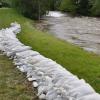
(52, 81)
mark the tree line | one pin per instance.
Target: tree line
(81, 7)
(34, 9)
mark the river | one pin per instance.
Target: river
(81, 31)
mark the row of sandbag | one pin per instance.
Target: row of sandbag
(52, 81)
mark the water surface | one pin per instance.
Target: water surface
(82, 31)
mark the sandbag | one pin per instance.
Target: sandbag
(52, 81)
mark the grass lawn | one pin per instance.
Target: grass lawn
(81, 63)
(13, 84)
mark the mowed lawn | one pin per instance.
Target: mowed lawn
(13, 84)
(81, 63)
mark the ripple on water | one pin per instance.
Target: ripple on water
(82, 31)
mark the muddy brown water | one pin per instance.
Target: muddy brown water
(81, 31)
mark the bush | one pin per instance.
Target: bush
(84, 7)
(80, 7)
(54, 4)
(96, 8)
(68, 6)
(33, 9)
(5, 3)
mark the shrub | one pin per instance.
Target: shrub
(96, 8)
(83, 7)
(33, 9)
(68, 6)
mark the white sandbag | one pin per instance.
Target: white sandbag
(45, 63)
(24, 68)
(77, 83)
(52, 81)
(94, 96)
(53, 93)
(12, 42)
(46, 81)
(20, 48)
(21, 68)
(12, 45)
(36, 58)
(20, 62)
(44, 90)
(62, 79)
(1, 48)
(27, 53)
(42, 97)
(81, 91)
(35, 84)
(15, 27)
(10, 34)
(34, 76)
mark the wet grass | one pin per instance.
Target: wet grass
(81, 63)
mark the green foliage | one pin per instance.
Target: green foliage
(68, 6)
(54, 4)
(96, 8)
(33, 9)
(83, 7)
(5, 3)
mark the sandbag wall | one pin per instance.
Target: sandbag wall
(52, 81)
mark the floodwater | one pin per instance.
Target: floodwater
(82, 31)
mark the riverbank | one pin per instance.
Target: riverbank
(79, 62)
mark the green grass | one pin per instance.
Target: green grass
(79, 62)
(13, 84)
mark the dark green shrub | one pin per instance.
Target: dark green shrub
(33, 9)
(68, 6)
(96, 8)
(5, 3)
(83, 7)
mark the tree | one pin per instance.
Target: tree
(5, 3)
(83, 7)
(96, 8)
(54, 4)
(68, 6)
(80, 7)
(33, 9)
